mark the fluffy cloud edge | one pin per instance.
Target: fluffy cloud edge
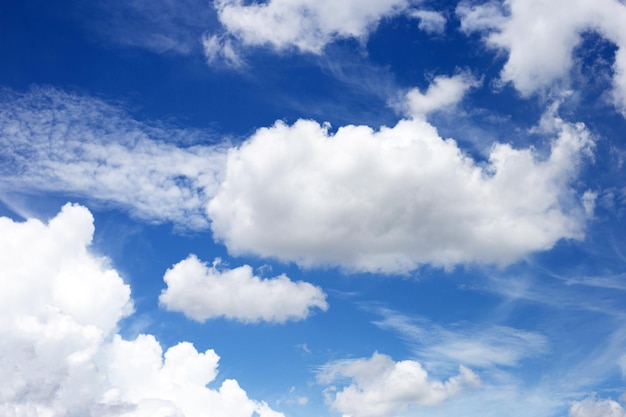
(380, 386)
(384, 201)
(540, 39)
(61, 350)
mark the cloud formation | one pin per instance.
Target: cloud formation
(59, 351)
(304, 24)
(540, 38)
(430, 21)
(442, 93)
(60, 142)
(203, 292)
(382, 387)
(591, 407)
(393, 199)
(467, 343)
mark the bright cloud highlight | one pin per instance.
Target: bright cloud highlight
(203, 292)
(59, 351)
(393, 199)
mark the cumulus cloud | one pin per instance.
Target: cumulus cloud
(540, 38)
(379, 386)
(305, 25)
(202, 292)
(60, 353)
(393, 199)
(443, 92)
(60, 142)
(430, 21)
(592, 407)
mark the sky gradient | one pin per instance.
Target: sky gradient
(297, 208)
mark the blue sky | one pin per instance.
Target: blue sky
(312, 208)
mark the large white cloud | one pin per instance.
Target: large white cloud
(540, 37)
(55, 141)
(202, 292)
(59, 351)
(382, 387)
(393, 199)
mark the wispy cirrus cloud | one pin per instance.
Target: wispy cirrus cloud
(479, 346)
(160, 26)
(60, 142)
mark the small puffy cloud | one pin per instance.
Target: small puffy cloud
(380, 387)
(305, 25)
(443, 92)
(540, 38)
(60, 142)
(60, 354)
(430, 21)
(592, 407)
(202, 292)
(393, 199)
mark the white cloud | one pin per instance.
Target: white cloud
(591, 407)
(306, 25)
(393, 199)
(430, 21)
(382, 387)
(443, 92)
(218, 49)
(59, 351)
(202, 292)
(540, 37)
(466, 343)
(54, 141)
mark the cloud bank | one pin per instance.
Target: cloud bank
(59, 350)
(203, 292)
(393, 199)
